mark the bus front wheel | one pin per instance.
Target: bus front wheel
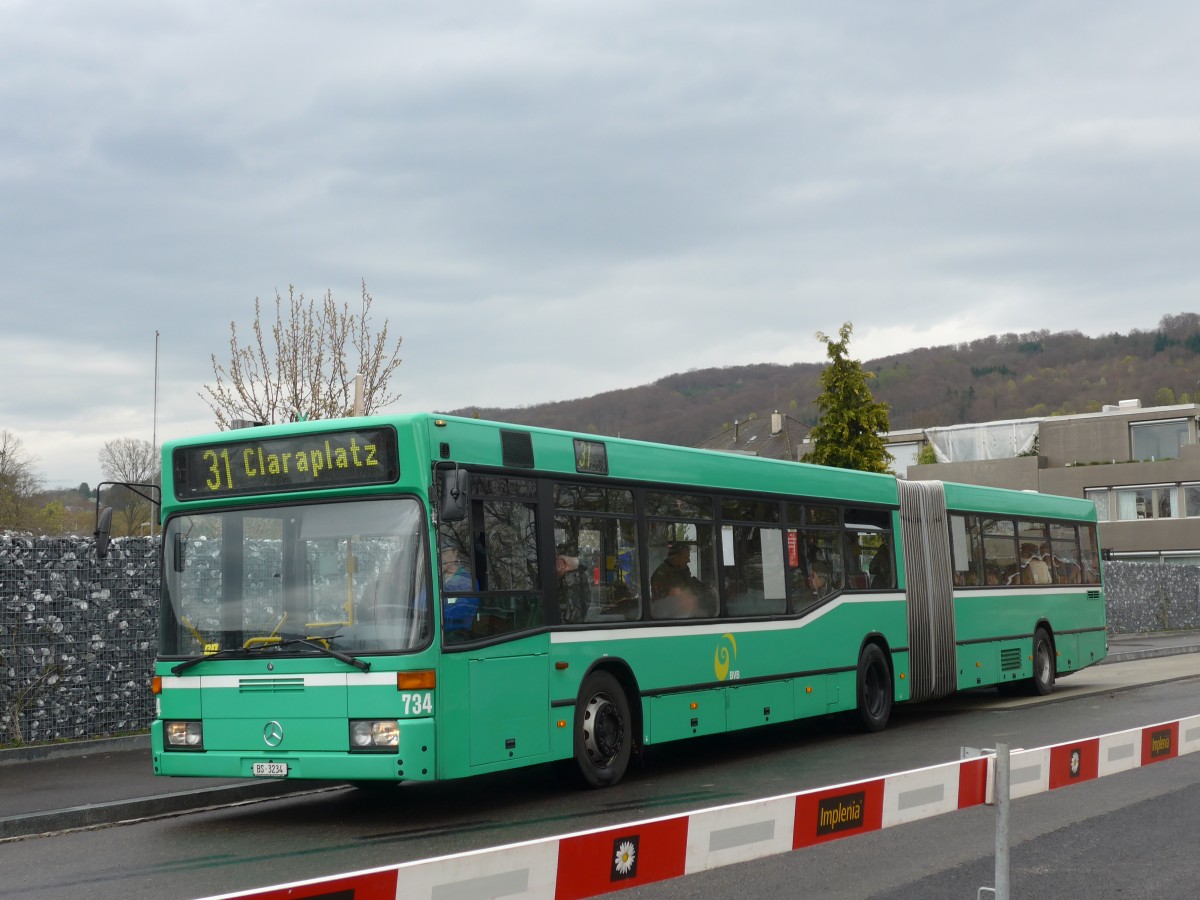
(603, 740)
(874, 689)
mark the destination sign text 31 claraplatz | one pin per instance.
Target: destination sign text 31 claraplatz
(300, 462)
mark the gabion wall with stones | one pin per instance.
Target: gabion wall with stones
(78, 635)
(1151, 597)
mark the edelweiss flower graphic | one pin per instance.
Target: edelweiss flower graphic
(626, 856)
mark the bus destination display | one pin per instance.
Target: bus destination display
(304, 462)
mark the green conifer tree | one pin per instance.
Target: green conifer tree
(847, 433)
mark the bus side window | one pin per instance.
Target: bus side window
(596, 571)
(818, 571)
(683, 575)
(859, 554)
(1000, 557)
(868, 560)
(1089, 555)
(881, 571)
(755, 574)
(509, 546)
(507, 569)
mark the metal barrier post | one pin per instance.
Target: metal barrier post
(1002, 804)
(1000, 799)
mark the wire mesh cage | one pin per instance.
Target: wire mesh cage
(77, 638)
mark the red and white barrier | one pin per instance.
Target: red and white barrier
(604, 860)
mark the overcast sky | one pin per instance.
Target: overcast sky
(553, 199)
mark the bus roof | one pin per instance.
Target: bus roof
(472, 442)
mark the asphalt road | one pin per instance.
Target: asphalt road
(1121, 819)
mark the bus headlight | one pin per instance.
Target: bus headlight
(374, 734)
(183, 735)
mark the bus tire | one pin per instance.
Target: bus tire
(603, 738)
(874, 695)
(1042, 682)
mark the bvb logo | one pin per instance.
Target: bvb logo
(725, 656)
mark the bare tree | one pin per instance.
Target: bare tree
(133, 461)
(306, 369)
(19, 483)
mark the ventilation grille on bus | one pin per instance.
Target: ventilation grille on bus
(517, 449)
(270, 685)
(1010, 658)
(1093, 595)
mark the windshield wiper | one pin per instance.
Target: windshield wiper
(244, 652)
(328, 651)
(228, 652)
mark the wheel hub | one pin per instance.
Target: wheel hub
(603, 730)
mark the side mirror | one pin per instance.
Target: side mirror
(103, 531)
(452, 501)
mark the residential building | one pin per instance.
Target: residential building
(776, 436)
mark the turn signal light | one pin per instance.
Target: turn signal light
(424, 680)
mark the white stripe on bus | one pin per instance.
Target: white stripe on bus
(677, 629)
(346, 679)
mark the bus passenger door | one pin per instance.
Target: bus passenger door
(509, 704)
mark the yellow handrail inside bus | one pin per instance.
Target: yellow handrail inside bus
(350, 581)
(272, 638)
(196, 634)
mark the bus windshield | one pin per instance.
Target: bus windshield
(349, 576)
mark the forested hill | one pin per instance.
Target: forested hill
(1008, 376)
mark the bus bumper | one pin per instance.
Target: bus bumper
(415, 761)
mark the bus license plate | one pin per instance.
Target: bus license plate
(269, 769)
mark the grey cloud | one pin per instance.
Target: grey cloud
(734, 177)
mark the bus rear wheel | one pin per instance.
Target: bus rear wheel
(1042, 682)
(603, 741)
(874, 689)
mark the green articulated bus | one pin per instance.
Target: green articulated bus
(413, 598)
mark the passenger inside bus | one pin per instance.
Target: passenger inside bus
(816, 586)
(460, 611)
(1033, 568)
(881, 568)
(573, 589)
(387, 615)
(675, 593)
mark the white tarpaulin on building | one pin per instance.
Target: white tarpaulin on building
(988, 440)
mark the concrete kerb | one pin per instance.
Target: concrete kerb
(1167, 643)
(13, 755)
(1156, 653)
(100, 814)
(106, 813)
